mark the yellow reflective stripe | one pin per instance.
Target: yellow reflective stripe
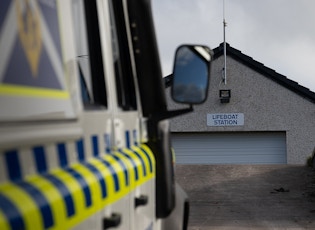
(139, 168)
(77, 195)
(107, 175)
(123, 188)
(130, 169)
(26, 91)
(4, 225)
(146, 162)
(173, 155)
(151, 156)
(54, 198)
(129, 164)
(95, 191)
(30, 212)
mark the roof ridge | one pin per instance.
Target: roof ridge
(264, 70)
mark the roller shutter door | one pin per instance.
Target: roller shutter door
(230, 148)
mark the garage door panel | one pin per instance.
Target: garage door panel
(262, 159)
(239, 148)
(227, 151)
(237, 142)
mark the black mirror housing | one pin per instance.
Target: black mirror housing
(191, 74)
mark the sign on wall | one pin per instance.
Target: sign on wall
(225, 119)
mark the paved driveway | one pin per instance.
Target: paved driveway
(249, 196)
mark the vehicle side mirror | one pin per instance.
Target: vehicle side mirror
(191, 74)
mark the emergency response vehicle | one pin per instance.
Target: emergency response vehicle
(84, 132)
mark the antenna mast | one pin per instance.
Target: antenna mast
(224, 44)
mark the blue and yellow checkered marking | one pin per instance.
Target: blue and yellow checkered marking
(66, 196)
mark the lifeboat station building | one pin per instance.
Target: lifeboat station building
(258, 117)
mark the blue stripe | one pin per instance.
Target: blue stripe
(113, 173)
(149, 159)
(62, 155)
(65, 193)
(95, 145)
(135, 137)
(99, 177)
(107, 142)
(133, 164)
(125, 169)
(80, 150)
(142, 162)
(41, 202)
(40, 159)
(12, 214)
(13, 165)
(127, 136)
(84, 186)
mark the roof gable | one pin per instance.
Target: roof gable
(265, 71)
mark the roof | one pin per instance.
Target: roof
(260, 68)
(265, 71)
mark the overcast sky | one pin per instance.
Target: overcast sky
(278, 33)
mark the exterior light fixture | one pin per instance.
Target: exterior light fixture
(225, 95)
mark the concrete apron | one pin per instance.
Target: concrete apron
(249, 196)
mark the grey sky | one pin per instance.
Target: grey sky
(278, 33)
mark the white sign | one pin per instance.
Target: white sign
(225, 119)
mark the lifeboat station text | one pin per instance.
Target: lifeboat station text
(225, 119)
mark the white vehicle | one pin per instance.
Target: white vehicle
(84, 138)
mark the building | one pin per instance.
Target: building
(268, 118)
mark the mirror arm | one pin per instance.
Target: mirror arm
(172, 113)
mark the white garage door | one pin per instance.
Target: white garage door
(230, 148)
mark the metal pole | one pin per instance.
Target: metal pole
(224, 43)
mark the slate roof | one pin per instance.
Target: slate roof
(267, 72)
(260, 68)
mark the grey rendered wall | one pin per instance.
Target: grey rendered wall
(266, 105)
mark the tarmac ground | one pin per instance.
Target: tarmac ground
(249, 196)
